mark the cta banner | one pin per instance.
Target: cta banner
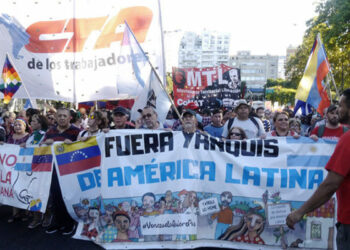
(25, 176)
(66, 48)
(208, 87)
(171, 189)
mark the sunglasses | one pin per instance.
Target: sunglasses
(146, 116)
(236, 134)
(51, 118)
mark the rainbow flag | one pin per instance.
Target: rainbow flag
(10, 81)
(77, 157)
(312, 89)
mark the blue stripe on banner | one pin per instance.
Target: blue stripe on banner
(303, 139)
(23, 167)
(307, 160)
(26, 151)
(78, 155)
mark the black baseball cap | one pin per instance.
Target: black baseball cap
(120, 110)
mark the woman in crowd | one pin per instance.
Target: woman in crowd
(39, 126)
(9, 119)
(236, 133)
(19, 136)
(96, 123)
(281, 124)
(295, 125)
(51, 119)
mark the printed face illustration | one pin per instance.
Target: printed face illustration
(234, 75)
(226, 199)
(122, 223)
(148, 202)
(254, 222)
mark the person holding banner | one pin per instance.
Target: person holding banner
(96, 122)
(19, 136)
(149, 120)
(120, 118)
(337, 180)
(281, 124)
(68, 133)
(39, 126)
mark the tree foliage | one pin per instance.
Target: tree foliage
(333, 23)
(281, 95)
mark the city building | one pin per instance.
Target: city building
(172, 39)
(255, 70)
(207, 49)
(282, 67)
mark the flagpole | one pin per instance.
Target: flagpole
(162, 40)
(160, 81)
(25, 89)
(330, 69)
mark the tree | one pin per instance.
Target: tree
(333, 23)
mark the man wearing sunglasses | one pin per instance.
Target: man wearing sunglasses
(149, 119)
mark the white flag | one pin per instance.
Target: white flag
(153, 95)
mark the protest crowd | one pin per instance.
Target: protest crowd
(35, 127)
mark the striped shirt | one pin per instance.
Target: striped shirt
(70, 133)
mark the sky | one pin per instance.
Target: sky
(261, 26)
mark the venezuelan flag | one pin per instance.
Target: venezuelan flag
(77, 157)
(311, 88)
(42, 159)
(11, 81)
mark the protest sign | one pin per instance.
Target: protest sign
(207, 87)
(25, 176)
(155, 185)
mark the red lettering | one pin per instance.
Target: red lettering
(2, 158)
(139, 19)
(81, 29)
(6, 191)
(8, 160)
(8, 177)
(38, 45)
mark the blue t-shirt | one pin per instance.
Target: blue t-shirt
(214, 131)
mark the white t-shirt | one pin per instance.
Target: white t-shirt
(248, 126)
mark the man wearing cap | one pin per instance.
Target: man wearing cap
(189, 121)
(333, 129)
(120, 118)
(252, 126)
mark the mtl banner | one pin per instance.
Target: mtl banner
(25, 176)
(159, 189)
(70, 50)
(208, 87)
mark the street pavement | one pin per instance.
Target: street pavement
(17, 236)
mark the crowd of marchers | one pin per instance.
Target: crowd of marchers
(36, 127)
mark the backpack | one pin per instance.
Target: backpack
(322, 127)
(230, 122)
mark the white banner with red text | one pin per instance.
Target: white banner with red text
(66, 48)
